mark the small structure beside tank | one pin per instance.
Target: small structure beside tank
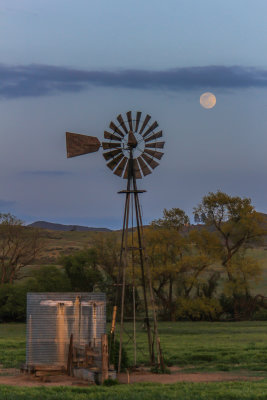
(66, 333)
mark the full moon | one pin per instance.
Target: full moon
(207, 100)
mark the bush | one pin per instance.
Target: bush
(198, 309)
(82, 271)
(13, 297)
(114, 346)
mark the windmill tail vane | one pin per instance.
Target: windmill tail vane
(132, 149)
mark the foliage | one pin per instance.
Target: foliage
(110, 382)
(13, 297)
(198, 309)
(50, 279)
(19, 246)
(114, 346)
(82, 271)
(175, 218)
(235, 221)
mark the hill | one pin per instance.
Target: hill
(65, 228)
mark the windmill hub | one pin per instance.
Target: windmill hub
(132, 142)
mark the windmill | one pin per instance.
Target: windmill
(132, 148)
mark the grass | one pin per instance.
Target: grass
(12, 345)
(209, 346)
(224, 346)
(199, 346)
(179, 391)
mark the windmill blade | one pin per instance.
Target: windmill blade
(113, 163)
(108, 135)
(153, 126)
(154, 153)
(110, 154)
(78, 144)
(121, 166)
(129, 117)
(122, 124)
(136, 169)
(156, 145)
(145, 123)
(138, 116)
(155, 136)
(152, 163)
(110, 145)
(116, 129)
(125, 175)
(143, 166)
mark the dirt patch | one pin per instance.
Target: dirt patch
(177, 375)
(15, 378)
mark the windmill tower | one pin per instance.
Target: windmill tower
(132, 148)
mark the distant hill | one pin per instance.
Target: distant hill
(64, 228)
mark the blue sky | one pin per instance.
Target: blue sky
(75, 65)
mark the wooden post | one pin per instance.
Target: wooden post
(70, 357)
(104, 351)
(113, 320)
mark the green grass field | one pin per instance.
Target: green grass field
(178, 391)
(222, 346)
(195, 346)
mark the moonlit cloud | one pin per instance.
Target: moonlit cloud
(41, 80)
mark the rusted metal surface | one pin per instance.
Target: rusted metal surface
(129, 118)
(147, 118)
(78, 144)
(113, 163)
(136, 168)
(53, 317)
(144, 167)
(116, 129)
(120, 167)
(152, 163)
(154, 153)
(125, 175)
(132, 142)
(122, 124)
(111, 136)
(110, 154)
(156, 145)
(138, 117)
(110, 145)
(152, 127)
(153, 137)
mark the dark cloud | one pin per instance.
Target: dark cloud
(47, 173)
(40, 80)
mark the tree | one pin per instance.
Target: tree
(238, 226)
(175, 218)
(19, 246)
(164, 252)
(82, 271)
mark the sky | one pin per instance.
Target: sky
(74, 65)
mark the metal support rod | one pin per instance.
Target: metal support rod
(124, 266)
(139, 224)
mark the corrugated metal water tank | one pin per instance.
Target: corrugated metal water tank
(53, 317)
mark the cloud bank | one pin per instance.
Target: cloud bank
(40, 80)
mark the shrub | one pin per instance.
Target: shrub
(198, 309)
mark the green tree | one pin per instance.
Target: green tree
(237, 226)
(82, 270)
(19, 246)
(175, 218)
